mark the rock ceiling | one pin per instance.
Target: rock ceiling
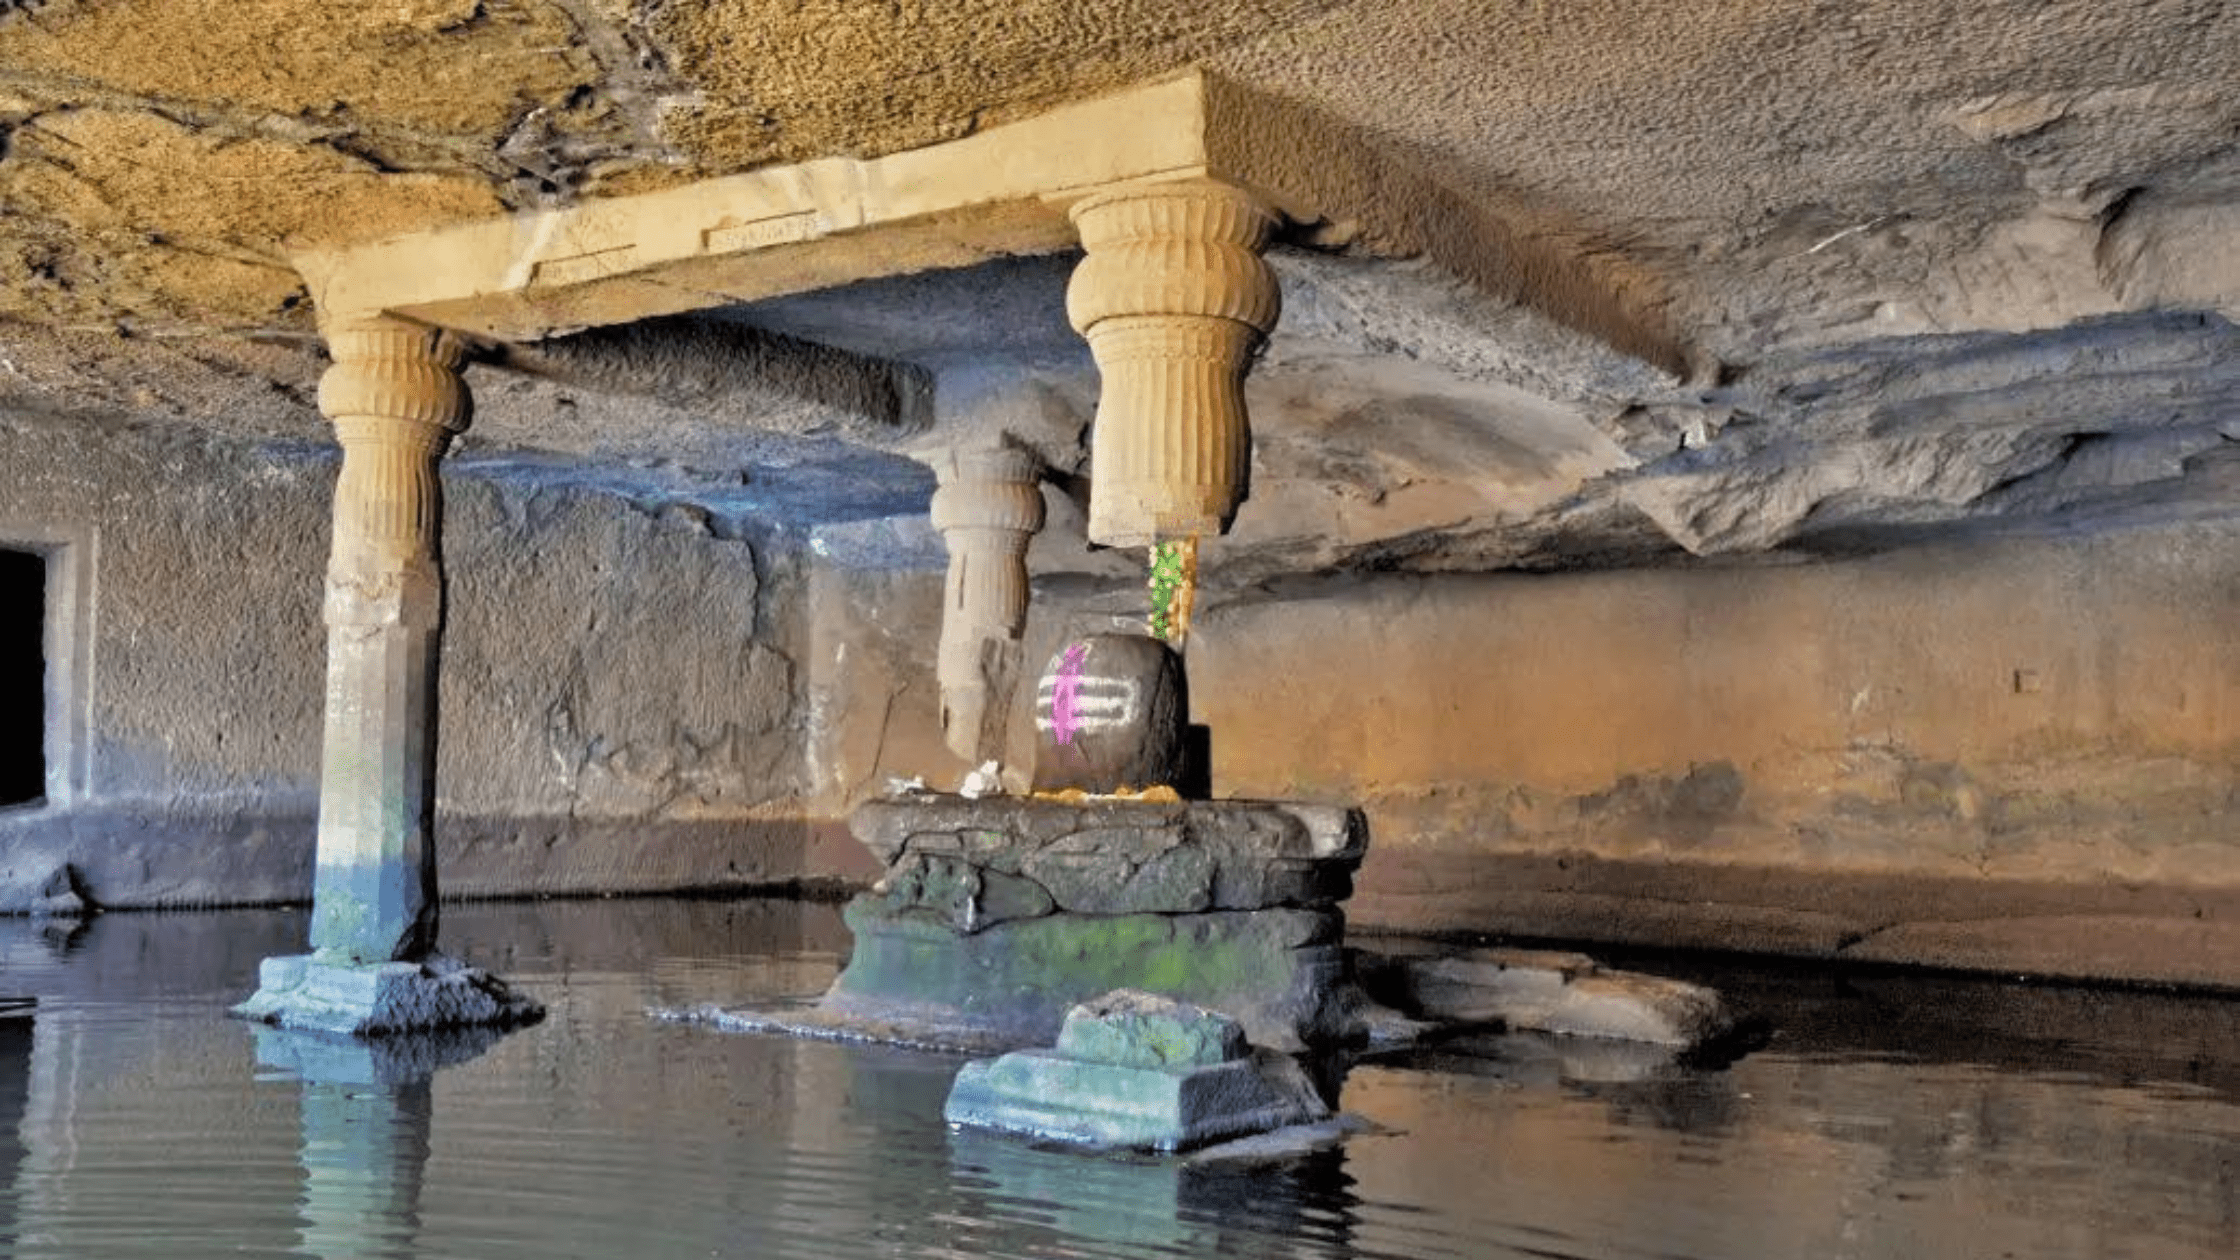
(1933, 266)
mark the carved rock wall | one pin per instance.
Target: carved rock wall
(619, 696)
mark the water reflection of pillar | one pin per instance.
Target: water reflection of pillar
(48, 1129)
(17, 1034)
(365, 1152)
(367, 1114)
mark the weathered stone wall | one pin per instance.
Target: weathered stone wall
(1947, 754)
(874, 615)
(619, 696)
(2002, 752)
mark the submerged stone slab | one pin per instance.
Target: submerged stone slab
(1126, 857)
(307, 992)
(1551, 992)
(1139, 1071)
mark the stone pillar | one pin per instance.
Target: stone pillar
(396, 400)
(1175, 301)
(988, 508)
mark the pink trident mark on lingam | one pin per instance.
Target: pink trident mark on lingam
(1065, 694)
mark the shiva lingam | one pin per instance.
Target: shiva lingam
(995, 914)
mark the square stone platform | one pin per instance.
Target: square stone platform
(997, 915)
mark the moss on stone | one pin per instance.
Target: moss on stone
(1023, 975)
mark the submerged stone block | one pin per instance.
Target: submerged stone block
(1139, 1071)
(1281, 972)
(372, 999)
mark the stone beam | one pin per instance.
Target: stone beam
(725, 371)
(1008, 190)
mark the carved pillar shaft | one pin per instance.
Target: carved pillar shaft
(396, 400)
(988, 509)
(1174, 299)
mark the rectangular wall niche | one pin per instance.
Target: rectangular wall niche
(23, 677)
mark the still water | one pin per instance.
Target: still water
(1886, 1117)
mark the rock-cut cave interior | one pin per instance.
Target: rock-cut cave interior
(1748, 486)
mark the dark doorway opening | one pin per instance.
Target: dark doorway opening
(23, 677)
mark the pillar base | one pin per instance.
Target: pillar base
(376, 999)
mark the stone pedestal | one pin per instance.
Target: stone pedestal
(995, 916)
(377, 999)
(1138, 1071)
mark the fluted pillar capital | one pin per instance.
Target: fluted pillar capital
(1185, 248)
(1175, 301)
(996, 489)
(390, 372)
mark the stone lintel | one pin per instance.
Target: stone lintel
(833, 221)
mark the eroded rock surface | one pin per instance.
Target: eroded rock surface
(1109, 857)
(1549, 992)
(2028, 203)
